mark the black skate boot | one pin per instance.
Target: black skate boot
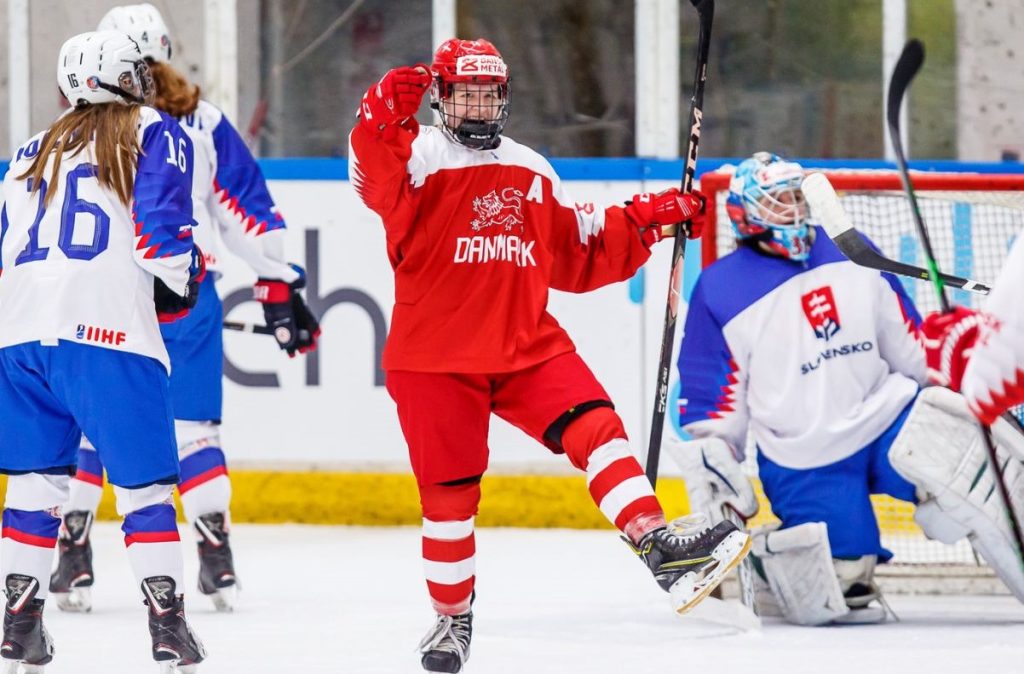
(446, 646)
(26, 641)
(71, 582)
(216, 565)
(689, 565)
(175, 646)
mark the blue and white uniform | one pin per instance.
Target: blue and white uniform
(77, 313)
(233, 207)
(819, 361)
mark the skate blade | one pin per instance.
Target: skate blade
(225, 599)
(78, 600)
(690, 589)
(19, 667)
(862, 616)
(173, 667)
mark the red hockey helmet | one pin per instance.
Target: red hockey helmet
(471, 62)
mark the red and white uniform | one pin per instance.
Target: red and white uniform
(994, 377)
(476, 239)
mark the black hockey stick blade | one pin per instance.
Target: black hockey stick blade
(705, 13)
(254, 328)
(828, 209)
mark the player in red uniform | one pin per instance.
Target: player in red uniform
(478, 229)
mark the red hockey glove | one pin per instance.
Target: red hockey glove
(657, 215)
(396, 97)
(948, 340)
(295, 327)
(171, 306)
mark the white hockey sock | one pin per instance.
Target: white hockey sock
(205, 486)
(87, 484)
(29, 539)
(151, 533)
(30, 522)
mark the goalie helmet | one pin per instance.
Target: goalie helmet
(144, 24)
(766, 204)
(478, 65)
(103, 67)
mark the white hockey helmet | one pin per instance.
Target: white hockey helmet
(103, 67)
(145, 25)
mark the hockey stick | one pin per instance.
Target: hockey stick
(829, 210)
(907, 66)
(254, 328)
(705, 13)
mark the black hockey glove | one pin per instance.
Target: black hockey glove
(295, 327)
(170, 306)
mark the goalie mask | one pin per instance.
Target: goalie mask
(470, 92)
(766, 204)
(103, 67)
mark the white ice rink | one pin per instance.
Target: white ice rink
(338, 599)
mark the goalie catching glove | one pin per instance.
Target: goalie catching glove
(170, 306)
(295, 327)
(656, 216)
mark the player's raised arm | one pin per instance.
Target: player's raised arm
(380, 145)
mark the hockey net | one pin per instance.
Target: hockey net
(972, 220)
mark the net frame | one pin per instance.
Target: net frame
(919, 565)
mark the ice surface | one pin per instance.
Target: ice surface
(343, 599)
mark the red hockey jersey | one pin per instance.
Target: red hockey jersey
(476, 239)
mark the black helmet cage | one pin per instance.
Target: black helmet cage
(476, 134)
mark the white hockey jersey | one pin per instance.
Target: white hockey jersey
(817, 360)
(82, 268)
(231, 202)
(994, 378)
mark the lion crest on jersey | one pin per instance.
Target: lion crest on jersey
(820, 309)
(503, 211)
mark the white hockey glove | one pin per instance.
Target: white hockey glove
(714, 478)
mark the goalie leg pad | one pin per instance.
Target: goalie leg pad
(798, 564)
(941, 451)
(714, 478)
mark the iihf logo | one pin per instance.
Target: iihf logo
(820, 309)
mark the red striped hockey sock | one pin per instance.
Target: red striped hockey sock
(596, 442)
(449, 544)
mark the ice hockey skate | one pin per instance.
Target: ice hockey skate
(27, 647)
(175, 646)
(689, 562)
(446, 646)
(216, 564)
(71, 582)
